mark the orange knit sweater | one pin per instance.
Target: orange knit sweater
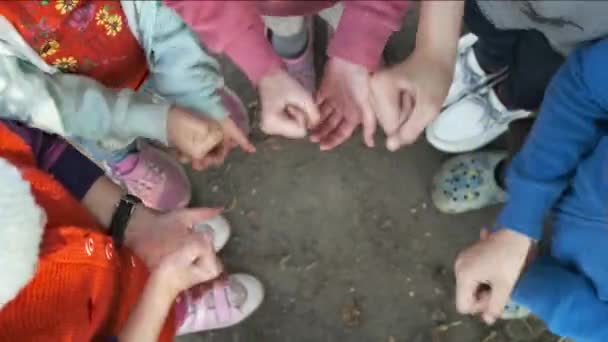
(83, 288)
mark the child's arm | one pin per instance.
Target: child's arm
(72, 105)
(181, 71)
(150, 234)
(194, 263)
(572, 119)
(364, 29)
(564, 300)
(234, 28)
(78, 106)
(149, 314)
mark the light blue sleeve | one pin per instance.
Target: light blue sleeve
(181, 70)
(78, 106)
(572, 118)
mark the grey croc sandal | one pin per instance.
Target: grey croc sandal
(467, 182)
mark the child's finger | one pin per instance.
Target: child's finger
(368, 121)
(322, 131)
(465, 295)
(297, 114)
(232, 131)
(499, 298)
(282, 124)
(310, 111)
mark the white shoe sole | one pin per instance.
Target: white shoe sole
(473, 143)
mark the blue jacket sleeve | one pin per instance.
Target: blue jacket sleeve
(571, 121)
(181, 70)
(565, 301)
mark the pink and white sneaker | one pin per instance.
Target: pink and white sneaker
(302, 68)
(155, 177)
(228, 302)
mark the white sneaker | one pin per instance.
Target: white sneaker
(469, 77)
(228, 302)
(471, 123)
(218, 230)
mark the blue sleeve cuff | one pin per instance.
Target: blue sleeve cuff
(529, 200)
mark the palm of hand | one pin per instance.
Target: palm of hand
(344, 99)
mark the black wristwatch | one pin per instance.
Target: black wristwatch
(120, 219)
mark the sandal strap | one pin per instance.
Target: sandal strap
(223, 308)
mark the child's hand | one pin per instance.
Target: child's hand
(153, 236)
(486, 273)
(192, 135)
(344, 102)
(408, 97)
(233, 136)
(287, 108)
(193, 263)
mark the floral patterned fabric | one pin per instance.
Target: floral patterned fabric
(86, 37)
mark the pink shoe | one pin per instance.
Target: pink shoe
(227, 303)
(155, 177)
(236, 108)
(303, 68)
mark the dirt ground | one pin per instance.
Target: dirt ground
(347, 242)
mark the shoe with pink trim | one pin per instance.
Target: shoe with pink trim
(155, 177)
(227, 303)
(302, 68)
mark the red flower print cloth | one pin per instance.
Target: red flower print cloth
(86, 37)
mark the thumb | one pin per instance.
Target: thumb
(308, 106)
(499, 297)
(411, 129)
(232, 131)
(369, 124)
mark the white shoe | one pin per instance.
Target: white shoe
(218, 229)
(469, 77)
(471, 123)
(228, 302)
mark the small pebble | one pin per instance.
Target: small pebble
(423, 205)
(215, 188)
(283, 262)
(439, 316)
(253, 192)
(413, 210)
(427, 234)
(412, 294)
(352, 289)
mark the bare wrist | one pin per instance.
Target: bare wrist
(159, 285)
